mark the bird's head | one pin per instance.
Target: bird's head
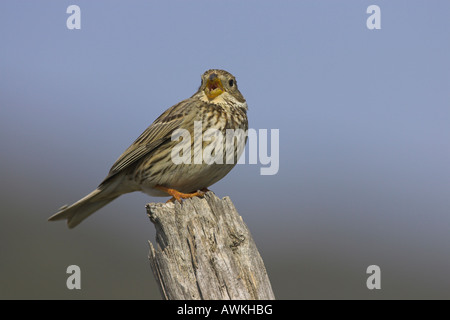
(219, 85)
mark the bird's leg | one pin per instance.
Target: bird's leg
(177, 195)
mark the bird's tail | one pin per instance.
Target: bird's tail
(83, 208)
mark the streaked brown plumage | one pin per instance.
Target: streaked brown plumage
(147, 165)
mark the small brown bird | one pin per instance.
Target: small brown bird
(149, 165)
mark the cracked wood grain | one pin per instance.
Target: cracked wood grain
(205, 251)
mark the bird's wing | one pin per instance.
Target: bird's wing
(156, 134)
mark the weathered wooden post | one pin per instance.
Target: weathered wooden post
(205, 251)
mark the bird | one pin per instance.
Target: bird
(148, 165)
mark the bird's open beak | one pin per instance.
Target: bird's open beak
(214, 87)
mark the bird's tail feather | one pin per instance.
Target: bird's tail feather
(83, 208)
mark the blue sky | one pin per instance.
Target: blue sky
(363, 117)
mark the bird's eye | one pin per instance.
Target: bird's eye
(231, 82)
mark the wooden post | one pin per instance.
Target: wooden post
(205, 251)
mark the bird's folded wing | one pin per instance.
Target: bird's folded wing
(155, 135)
